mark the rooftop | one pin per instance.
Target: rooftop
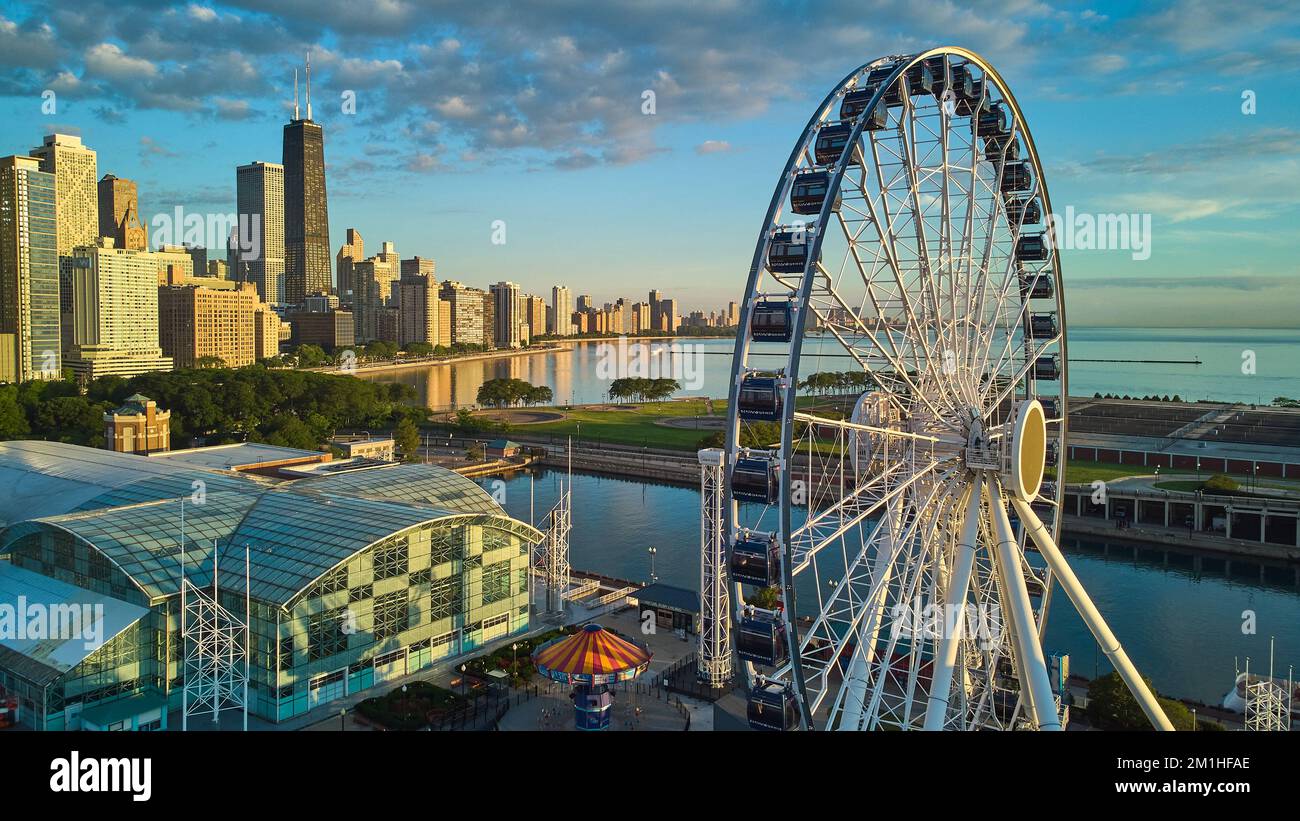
(234, 456)
(43, 659)
(131, 512)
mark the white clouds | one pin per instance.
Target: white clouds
(713, 147)
(107, 60)
(203, 14)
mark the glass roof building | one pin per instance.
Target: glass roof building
(354, 578)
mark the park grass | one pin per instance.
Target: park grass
(1080, 471)
(629, 425)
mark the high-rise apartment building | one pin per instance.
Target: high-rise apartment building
(76, 190)
(352, 252)
(306, 212)
(562, 310)
(260, 197)
(266, 333)
(197, 323)
(535, 315)
(508, 314)
(641, 322)
(29, 272)
(469, 325)
(113, 323)
(585, 302)
(669, 315)
(419, 307)
(119, 214)
(373, 280)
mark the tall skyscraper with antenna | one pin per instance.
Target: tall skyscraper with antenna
(307, 268)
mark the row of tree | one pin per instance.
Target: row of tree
(314, 356)
(211, 406)
(640, 389)
(502, 393)
(829, 382)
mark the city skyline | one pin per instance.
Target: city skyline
(449, 131)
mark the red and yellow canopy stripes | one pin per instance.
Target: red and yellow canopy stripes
(593, 655)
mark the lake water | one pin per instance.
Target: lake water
(1182, 628)
(575, 376)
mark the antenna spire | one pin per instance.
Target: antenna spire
(309, 84)
(295, 93)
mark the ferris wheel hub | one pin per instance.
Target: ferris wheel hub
(1028, 451)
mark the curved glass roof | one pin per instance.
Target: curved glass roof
(295, 532)
(51, 478)
(424, 484)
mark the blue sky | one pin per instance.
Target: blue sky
(467, 113)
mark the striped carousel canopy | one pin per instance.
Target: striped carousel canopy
(593, 655)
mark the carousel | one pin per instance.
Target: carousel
(590, 661)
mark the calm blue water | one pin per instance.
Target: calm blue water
(1180, 627)
(574, 376)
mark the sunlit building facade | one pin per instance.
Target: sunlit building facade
(355, 578)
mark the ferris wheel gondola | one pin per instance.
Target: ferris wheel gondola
(917, 264)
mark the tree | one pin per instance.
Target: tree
(407, 438)
(209, 362)
(766, 598)
(73, 419)
(13, 420)
(1112, 707)
(1220, 484)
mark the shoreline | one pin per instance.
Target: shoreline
(504, 353)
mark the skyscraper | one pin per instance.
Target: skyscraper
(29, 272)
(469, 325)
(373, 280)
(507, 315)
(562, 310)
(260, 195)
(306, 214)
(105, 339)
(76, 201)
(119, 214)
(195, 322)
(420, 309)
(352, 252)
(535, 315)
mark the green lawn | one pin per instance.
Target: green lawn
(631, 425)
(1079, 471)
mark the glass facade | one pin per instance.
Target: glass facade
(307, 264)
(346, 592)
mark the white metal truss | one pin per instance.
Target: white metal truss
(916, 579)
(715, 611)
(1268, 703)
(215, 650)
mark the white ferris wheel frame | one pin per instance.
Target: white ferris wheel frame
(938, 520)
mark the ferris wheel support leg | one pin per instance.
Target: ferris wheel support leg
(856, 697)
(1091, 617)
(936, 711)
(1033, 667)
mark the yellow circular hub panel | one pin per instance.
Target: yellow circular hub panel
(1029, 451)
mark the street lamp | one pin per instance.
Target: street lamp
(406, 703)
(652, 551)
(343, 716)
(462, 679)
(514, 658)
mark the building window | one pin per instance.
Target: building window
(326, 633)
(334, 581)
(286, 653)
(496, 582)
(391, 614)
(444, 598)
(390, 559)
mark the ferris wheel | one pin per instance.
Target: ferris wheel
(898, 418)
